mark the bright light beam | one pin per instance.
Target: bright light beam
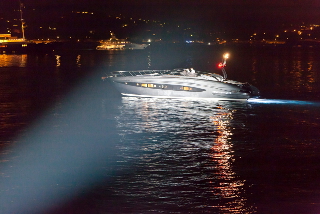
(61, 156)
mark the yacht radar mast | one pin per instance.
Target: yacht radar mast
(223, 64)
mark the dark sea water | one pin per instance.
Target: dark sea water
(70, 144)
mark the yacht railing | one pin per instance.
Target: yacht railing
(139, 73)
(174, 72)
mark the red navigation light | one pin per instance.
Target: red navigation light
(220, 65)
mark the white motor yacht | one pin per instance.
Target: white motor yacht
(181, 83)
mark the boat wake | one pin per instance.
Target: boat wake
(282, 102)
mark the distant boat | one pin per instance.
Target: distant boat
(8, 42)
(112, 44)
(119, 44)
(12, 44)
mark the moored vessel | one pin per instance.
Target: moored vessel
(112, 44)
(119, 44)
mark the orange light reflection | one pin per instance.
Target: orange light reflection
(228, 185)
(12, 60)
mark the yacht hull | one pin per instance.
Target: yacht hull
(168, 86)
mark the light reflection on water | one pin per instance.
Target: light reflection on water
(13, 60)
(184, 156)
(285, 73)
(181, 156)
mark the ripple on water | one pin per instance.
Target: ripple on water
(178, 154)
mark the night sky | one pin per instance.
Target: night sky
(228, 14)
